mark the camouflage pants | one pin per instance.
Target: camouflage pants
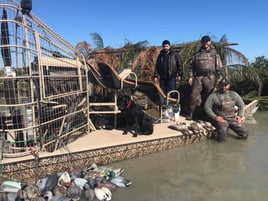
(222, 129)
(201, 88)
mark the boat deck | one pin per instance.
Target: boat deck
(103, 138)
(102, 147)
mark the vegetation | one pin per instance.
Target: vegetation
(250, 80)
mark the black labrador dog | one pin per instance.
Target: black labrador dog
(133, 114)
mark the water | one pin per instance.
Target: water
(236, 170)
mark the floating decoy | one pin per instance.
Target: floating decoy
(59, 190)
(3, 196)
(103, 193)
(51, 182)
(64, 179)
(80, 182)
(49, 197)
(11, 186)
(41, 184)
(121, 181)
(30, 192)
(108, 184)
(89, 193)
(74, 192)
(105, 170)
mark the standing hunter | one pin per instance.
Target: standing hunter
(168, 69)
(206, 67)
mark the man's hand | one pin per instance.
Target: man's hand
(190, 81)
(220, 119)
(178, 78)
(239, 119)
(156, 79)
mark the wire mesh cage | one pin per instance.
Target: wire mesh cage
(43, 84)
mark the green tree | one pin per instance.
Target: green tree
(261, 66)
(98, 41)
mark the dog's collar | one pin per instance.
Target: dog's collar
(129, 104)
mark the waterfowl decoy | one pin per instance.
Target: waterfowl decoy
(74, 192)
(41, 184)
(49, 197)
(93, 174)
(121, 181)
(105, 170)
(108, 184)
(80, 182)
(64, 179)
(30, 192)
(39, 198)
(103, 193)
(103, 182)
(19, 196)
(51, 182)
(59, 190)
(89, 193)
(11, 186)
(3, 196)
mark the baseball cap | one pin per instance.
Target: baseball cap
(205, 39)
(224, 82)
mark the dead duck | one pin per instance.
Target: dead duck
(186, 133)
(202, 130)
(209, 126)
(183, 128)
(194, 127)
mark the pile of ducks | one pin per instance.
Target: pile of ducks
(195, 129)
(93, 182)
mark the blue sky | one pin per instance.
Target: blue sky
(118, 21)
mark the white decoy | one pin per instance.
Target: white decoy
(63, 179)
(11, 186)
(103, 194)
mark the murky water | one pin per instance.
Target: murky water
(236, 170)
